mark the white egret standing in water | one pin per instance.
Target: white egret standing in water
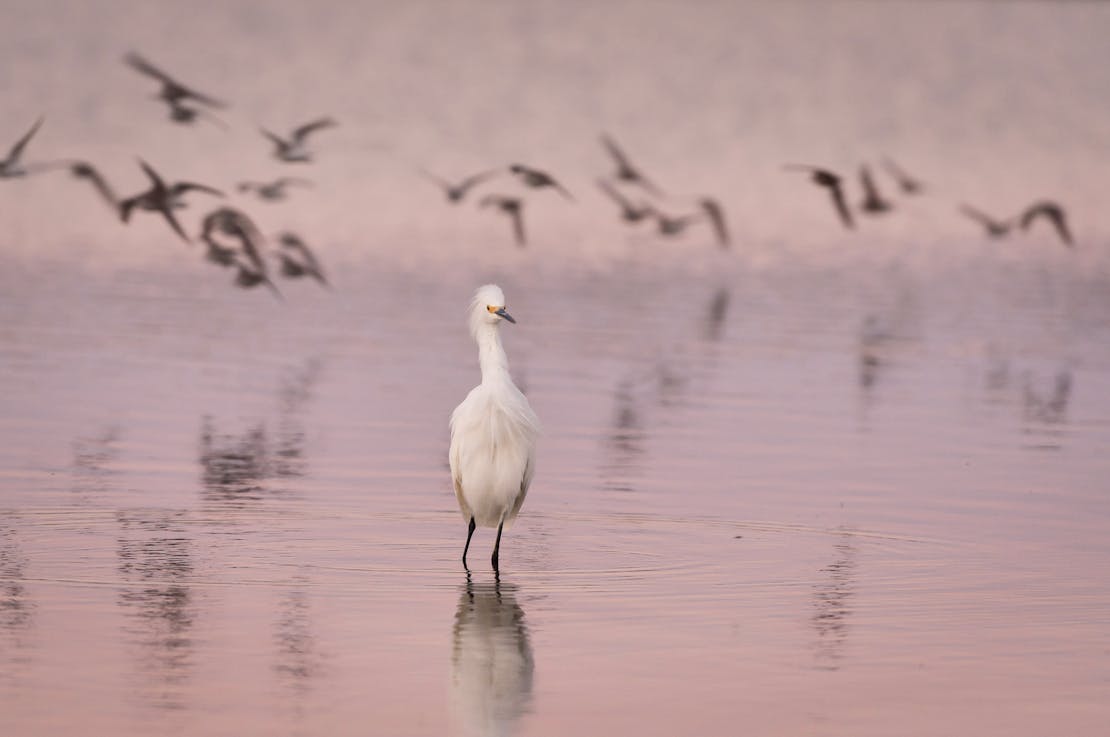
(493, 430)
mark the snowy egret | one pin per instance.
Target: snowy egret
(493, 430)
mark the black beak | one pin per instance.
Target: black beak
(506, 315)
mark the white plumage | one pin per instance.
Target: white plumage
(493, 430)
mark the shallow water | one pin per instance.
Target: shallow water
(752, 507)
(822, 483)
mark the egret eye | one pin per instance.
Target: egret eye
(491, 308)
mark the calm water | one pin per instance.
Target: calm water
(819, 484)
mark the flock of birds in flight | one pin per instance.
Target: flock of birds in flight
(234, 241)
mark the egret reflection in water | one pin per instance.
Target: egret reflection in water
(491, 662)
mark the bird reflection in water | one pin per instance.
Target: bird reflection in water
(1045, 411)
(297, 661)
(491, 662)
(16, 608)
(155, 562)
(717, 314)
(832, 608)
(624, 443)
(236, 467)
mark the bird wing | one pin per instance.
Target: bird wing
(905, 181)
(1053, 213)
(177, 89)
(17, 149)
(614, 194)
(980, 217)
(717, 218)
(167, 213)
(525, 482)
(156, 180)
(475, 179)
(616, 152)
(443, 183)
(85, 170)
(143, 66)
(841, 205)
(280, 142)
(182, 187)
(1062, 228)
(868, 184)
(454, 459)
(518, 227)
(562, 190)
(299, 134)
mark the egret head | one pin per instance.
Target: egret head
(488, 307)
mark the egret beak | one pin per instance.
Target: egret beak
(502, 313)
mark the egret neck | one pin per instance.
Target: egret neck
(491, 356)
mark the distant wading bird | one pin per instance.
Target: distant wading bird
(1051, 212)
(456, 192)
(493, 431)
(295, 149)
(831, 182)
(11, 167)
(173, 93)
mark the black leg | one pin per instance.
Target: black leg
(469, 534)
(497, 546)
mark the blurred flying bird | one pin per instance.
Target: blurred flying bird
(297, 259)
(1052, 212)
(294, 149)
(537, 179)
(247, 258)
(275, 190)
(668, 225)
(10, 166)
(229, 222)
(908, 184)
(994, 228)
(511, 206)
(173, 93)
(162, 198)
(456, 192)
(626, 172)
(873, 202)
(630, 213)
(716, 215)
(831, 182)
(85, 170)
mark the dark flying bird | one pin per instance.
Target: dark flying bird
(247, 258)
(626, 172)
(85, 170)
(630, 213)
(162, 198)
(1052, 212)
(297, 259)
(716, 215)
(275, 190)
(994, 228)
(538, 179)
(456, 192)
(10, 166)
(873, 202)
(831, 182)
(668, 225)
(173, 93)
(294, 149)
(906, 183)
(511, 206)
